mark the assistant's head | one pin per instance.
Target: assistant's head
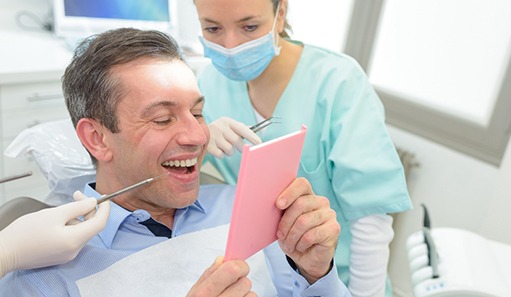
(253, 17)
(137, 109)
(242, 38)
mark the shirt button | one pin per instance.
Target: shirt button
(297, 284)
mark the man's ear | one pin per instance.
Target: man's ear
(92, 135)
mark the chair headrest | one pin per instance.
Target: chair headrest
(60, 156)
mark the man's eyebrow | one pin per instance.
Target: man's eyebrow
(165, 103)
(201, 99)
(155, 105)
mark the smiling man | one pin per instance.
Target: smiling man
(137, 110)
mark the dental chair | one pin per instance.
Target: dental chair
(17, 207)
(64, 162)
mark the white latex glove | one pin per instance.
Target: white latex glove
(48, 237)
(226, 134)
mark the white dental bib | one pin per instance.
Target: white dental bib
(171, 268)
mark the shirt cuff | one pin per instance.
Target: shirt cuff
(328, 285)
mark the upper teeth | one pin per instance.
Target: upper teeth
(181, 163)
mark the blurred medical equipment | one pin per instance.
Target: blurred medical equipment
(129, 188)
(449, 262)
(14, 177)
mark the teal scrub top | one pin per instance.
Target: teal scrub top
(348, 155)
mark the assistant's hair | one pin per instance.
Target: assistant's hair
(89, 89)
(287, 27)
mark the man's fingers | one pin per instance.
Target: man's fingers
(219, 277)
(298, 187)
(325, 235)
(211, 269)
(240, 288)
(307, 215)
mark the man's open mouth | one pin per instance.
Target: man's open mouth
(180, 166)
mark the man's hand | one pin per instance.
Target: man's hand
(308, 231)
(224, 279)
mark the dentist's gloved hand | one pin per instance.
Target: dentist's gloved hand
(227, 134)
(51, 236)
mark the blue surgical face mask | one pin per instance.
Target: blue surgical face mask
(246, 61)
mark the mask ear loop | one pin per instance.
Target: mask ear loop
(276, 37)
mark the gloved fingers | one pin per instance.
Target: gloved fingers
(78, 196)
(224, 142)
(226, 145)
(103, 211)
(215, 151)
(244, 131)
(87, 229)
(75, 209)
(73, 222)
(239, 145)
(235, 135)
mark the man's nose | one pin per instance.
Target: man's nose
(192, 132)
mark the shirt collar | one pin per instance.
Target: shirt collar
(119, 214)
(115, 219)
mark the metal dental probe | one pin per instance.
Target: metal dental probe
(129, 188)
(14, 177)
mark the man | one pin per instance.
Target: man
(137, 110)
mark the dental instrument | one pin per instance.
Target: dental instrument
(263, 124)
(129, 188)
(13, 177)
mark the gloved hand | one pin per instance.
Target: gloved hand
(226, 134)
(49, 236)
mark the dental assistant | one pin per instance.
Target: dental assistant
(257, 71)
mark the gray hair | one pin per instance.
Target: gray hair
(89, 89)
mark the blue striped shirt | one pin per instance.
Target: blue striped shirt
(124, 235)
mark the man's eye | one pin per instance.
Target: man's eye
(161, 122)
(198, 115)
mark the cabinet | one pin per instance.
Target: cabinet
(24, 105)
(31, 66)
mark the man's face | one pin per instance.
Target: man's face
(161, 131)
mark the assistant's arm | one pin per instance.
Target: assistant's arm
(371, 236)
(51, 236)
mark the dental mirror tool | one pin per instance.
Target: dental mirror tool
(129, 188)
